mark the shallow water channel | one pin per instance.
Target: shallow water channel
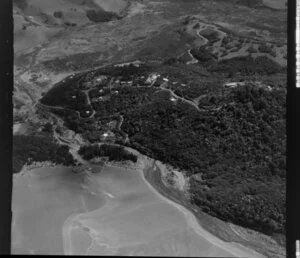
(109, 211)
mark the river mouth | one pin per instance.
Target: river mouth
(109, 211)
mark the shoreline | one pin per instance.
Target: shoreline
(226, 231)
(152, 173)
(223, 230)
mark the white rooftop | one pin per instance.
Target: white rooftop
(231, 84)
(100, 78)
(269, 87)
(152, 77)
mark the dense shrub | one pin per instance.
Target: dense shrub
(202, 54)
(240, 142)
(252, 49)
(246, 66)
(100, 15)
(263, 48)
(113, 152)
(27, 149)
(48, 128)
(58, 14)
(211, 35)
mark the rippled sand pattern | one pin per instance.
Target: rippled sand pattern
(112, 211)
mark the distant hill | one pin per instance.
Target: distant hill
(37, 21)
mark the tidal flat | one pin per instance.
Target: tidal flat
(106, 211)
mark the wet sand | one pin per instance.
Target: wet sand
(110, 211)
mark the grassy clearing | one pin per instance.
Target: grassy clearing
(276, 4)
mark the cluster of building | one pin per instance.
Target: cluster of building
(233, 84)
(136, 63)
(108, 84)
(237, 84)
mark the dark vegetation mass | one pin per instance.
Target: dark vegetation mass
(239, 150)
(113, 152)
(100, 15)
(246, 66)
(27, 149)
(211, 35)
(235, 141)
(58, 14)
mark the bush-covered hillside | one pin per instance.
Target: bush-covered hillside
(114, 153)
(235, 140)
(27, 149)
(239, 150)
(247, 66)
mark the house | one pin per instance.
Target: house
(269, 87)
(152, 77)
(108, 135)
(233, 84)
(230, 85)
(100, 78)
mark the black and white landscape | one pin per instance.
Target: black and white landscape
(149, 127)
